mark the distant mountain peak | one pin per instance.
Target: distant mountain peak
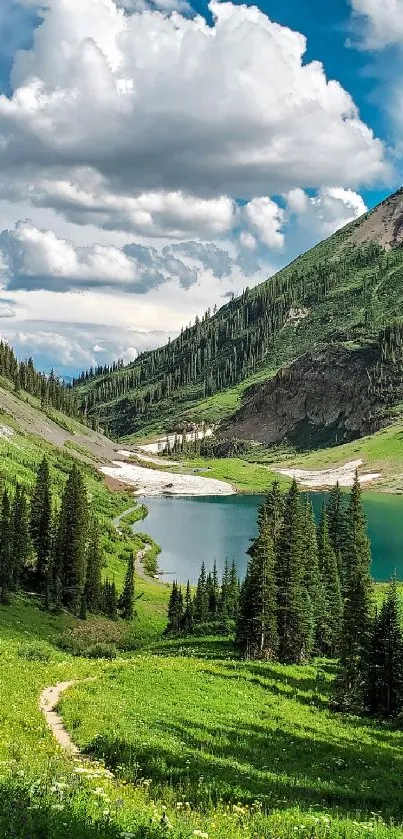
(383, 224)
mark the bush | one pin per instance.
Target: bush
(101, 651)
(90, 634)
(34, 652)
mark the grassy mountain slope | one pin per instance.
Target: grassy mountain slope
(341, 292)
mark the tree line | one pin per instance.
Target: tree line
(56, 550)
(308, 593)
(48, 389)
(212, 607)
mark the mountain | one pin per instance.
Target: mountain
(347, 292)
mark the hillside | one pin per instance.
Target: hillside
(342, 292)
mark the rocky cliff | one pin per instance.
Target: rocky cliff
(327, 396)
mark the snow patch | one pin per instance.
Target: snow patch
(328, 477)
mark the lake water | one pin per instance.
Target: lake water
(190, 530)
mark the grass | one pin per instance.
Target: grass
(201, 744)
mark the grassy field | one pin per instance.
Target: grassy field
(201, 744)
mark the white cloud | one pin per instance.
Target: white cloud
(266, 219)
(327, 211)
(247, 240)
(129, 354)
(60, 348)
(229, 109)
(383, 22)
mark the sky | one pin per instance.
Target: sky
(157, 157)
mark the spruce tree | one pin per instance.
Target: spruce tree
(233, 592)
(295, 611)
(41, 521)
(187, 620)
(109, 599)
(224, 593)
(127, 598)
(21, 547)
(336, 515)
(71, 541)
(384, 674)
(175, 609)
(93, 582)
(356, 626)
(312, 580)
(274, 509)
(256, 629)
(329, 569)
(200, 602)
(6, 558)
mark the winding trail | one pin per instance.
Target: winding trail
(48, 701)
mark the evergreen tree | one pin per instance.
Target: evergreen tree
(213, 593)
(41, 521)
(356, 627)
(127, 598)
(21, 548)
(384, 676)
(312, 580)
(295, 612)
(93, 582)
(329, 569)
(336, 516)
(224, 605)
(6, 559)
(175, 609)
(200, 602)
(233, 592)
(187, 620)
(274, 509)
(256, 630)
(70, 556)
(109, 599)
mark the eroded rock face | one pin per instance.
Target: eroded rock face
(325, 397)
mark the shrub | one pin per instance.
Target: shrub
(101, 651)
(34, 652)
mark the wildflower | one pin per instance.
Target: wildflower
(57, 806)
(200, 834)
(105, 812)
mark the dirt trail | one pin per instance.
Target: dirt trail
(48, 701)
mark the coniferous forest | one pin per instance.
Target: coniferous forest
(307, 594)
(53, 548)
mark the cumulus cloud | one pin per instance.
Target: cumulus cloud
(327, 211)
(228, 109)
(60, 348)
(32, 258)
(383, 22)
(266, 219)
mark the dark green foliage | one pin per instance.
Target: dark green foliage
(384, 674)
(313, 578)
(126, 602)
(41, 521)
(6, 557)
(71, 541)
(356, 627)
(188, 618)
(337, 523)
(20, 546)
(333, 603)
(109, 599)
(295, 610)
(257, 619)
(93, 583)
(201, 599)
(175, 609)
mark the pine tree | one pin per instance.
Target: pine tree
(213, 593)
(175, 609)
(6, 559)
(384, 675)
(224, 606)
(127, 598)
(256, 630)
(21, 547)
(41, 519)
(337, 524)
(356, 627)
(109, 599)
(274, 509)
(233, 592)
(70, 558)
(295, 612)
(200, 602)
(329, 570)
(312, 580)
(93, 583)
(187, 620)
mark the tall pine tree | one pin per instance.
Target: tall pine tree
(70, 553)
(384, 675)
(329, 570)
(41, 521)
(256, 630)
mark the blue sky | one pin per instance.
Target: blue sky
(142, 186)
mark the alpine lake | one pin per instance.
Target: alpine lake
(216, 528)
